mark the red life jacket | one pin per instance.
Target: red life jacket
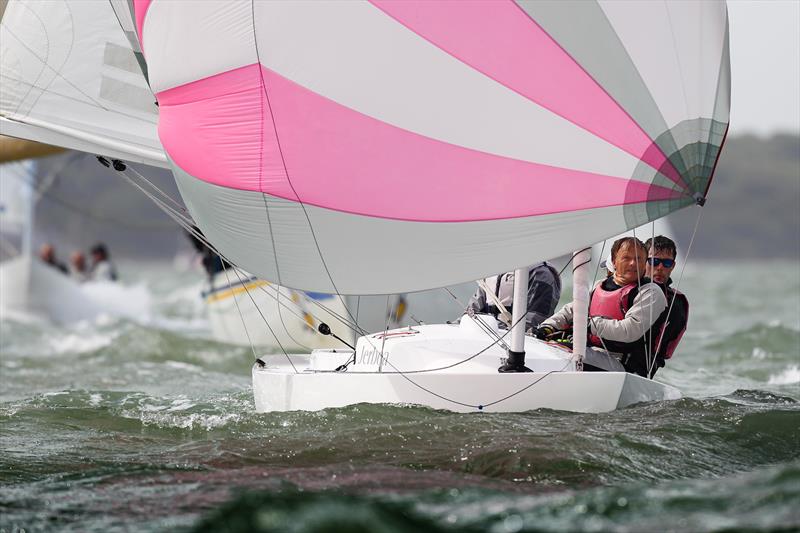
(608, 304)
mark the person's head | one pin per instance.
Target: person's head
(78, 261)
(47, 253)
(661, 254)
(629, 257)
(99, 252)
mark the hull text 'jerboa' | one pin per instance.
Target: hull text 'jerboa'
(380, 147)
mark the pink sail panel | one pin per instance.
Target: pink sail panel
(500, 40)
(221, 130)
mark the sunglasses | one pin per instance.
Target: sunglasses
(655, 261)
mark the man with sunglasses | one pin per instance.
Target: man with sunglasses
(662, 253)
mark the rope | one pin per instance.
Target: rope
(680, 279)
(484, 327)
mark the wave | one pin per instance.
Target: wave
(764, 499)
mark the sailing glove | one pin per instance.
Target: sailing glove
(544, 332)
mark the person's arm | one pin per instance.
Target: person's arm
(478, 302)
(541, 289)
(562, 319)
(648, 305)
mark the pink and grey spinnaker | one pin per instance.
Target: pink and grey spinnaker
(368, 147)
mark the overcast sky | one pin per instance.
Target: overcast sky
(765, 65)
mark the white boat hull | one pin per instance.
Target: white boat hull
(254, 311)
(425, 368)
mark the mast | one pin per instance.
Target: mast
(581, 262)
(519, 308)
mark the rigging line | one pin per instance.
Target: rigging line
(484, 327)
(566, 265)
(283, 323)
(174, 202)
(649, 339)
(181, 219)
(180, 212)
(358, 308)
(520, 391)
(280, 345)
(241, 316)
(680, 278)
(639, 293)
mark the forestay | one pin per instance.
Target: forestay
(71, 78)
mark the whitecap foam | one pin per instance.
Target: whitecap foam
(130, 301)
(80, 342)
(789, 376)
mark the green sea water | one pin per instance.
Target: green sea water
(146, 425)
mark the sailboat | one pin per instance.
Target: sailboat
(315, 143)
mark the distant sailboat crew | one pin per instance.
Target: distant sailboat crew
(77, 267)
(47, 253)
(102, 267)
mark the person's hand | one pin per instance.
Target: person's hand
(565, 339)
(544, 332)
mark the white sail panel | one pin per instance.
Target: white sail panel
(677, 47)
(218, 33)
(70, 77)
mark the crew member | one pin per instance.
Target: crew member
(662, 253)
(544, 291)
(77, 267)
(624, 311)
(102, 267)
(47, 253)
